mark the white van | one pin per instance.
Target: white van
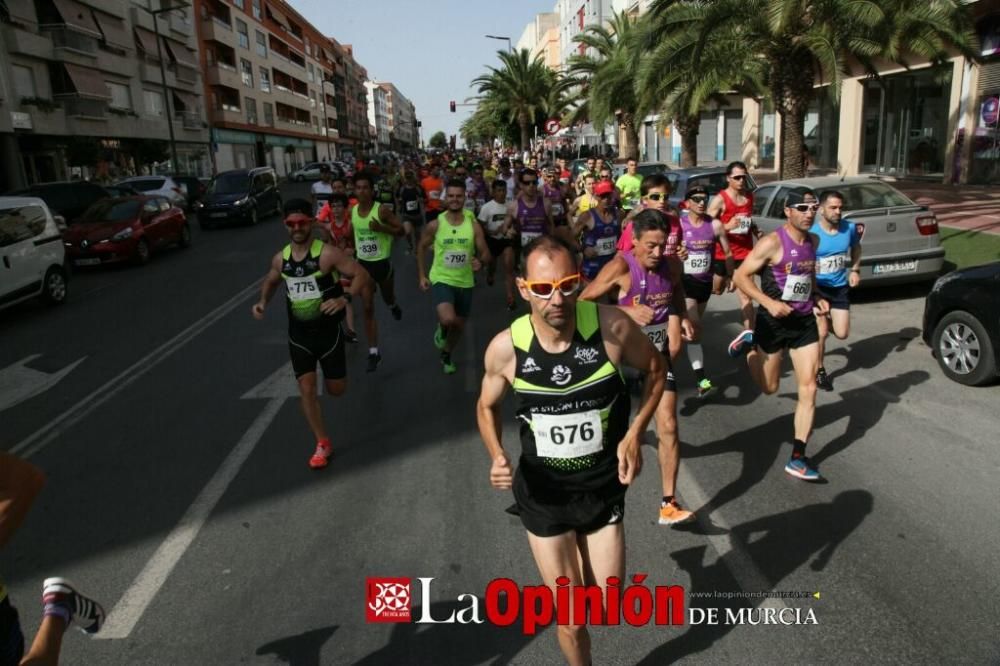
(32, 256)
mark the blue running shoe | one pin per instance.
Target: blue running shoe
(741, 344)
(801, 468)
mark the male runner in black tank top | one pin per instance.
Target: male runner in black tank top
(578, 451)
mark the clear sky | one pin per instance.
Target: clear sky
(431, 50)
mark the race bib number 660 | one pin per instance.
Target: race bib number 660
(568, 435)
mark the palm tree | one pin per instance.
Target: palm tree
(524, 83)
(801, 41)
(608, 79)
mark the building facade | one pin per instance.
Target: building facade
(378, 116)
(352, 101)
(82, 93)
(541, 38)
(403, 128)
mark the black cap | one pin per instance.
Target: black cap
(695, 189)
(798, 196)
(300, 206)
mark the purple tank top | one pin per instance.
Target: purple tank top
(700, 244)
(654, 289)
(531, 220)
(791, 280)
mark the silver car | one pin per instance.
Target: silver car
(163, 186)
(899, 238)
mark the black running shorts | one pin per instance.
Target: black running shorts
(380, 270)
(307, 348)
(772, 335)
(839, 297)
(547, 510)
(697, 290)
(11, 637)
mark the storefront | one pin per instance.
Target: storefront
(905, 123)
(985, 150)
(821, 130)
(234, 149)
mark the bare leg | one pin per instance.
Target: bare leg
(841, 320)
(47, 644)
(747, 314)
(310, 405)
(388, 289)
(371, 326)
(559, 556)
(823, 329)
(765, 369)
(452, 323)
(668, 446)
(674, 336)
(805, 361)
(602, 554)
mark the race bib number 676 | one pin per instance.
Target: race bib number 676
(568, 435)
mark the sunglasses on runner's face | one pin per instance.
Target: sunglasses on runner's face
(656, 196)
(739, 177)
(806, 207)
(698, 199)
(544, 290)
(298, 223)
(528, 182)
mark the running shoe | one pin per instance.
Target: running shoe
(705, 388)
(673, 514)
(397, 313)
(439, 338)
(86, 613)
(373, 361)
(447, 364)
(823, 380)
(350, 336)
(741, 344)
(801, 468)
(321, 457)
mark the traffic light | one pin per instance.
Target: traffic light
(453, 106)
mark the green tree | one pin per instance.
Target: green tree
(608, 80)
(800, 42)
(525, 84)
(439, 141)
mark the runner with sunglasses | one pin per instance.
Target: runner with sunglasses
(598, 230)
(315, 299)
(786, 317)
(700, 235)
(579, 453)
(530, 214)
(649, 286)
(733, 207)
(456, 239)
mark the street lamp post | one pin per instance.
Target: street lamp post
(510, 48)
(155, 13)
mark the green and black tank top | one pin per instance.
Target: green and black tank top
(306, 288)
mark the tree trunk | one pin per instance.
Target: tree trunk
(524, 123)
(791, 88)
(793, 163)
(688, 129)
(629, 148)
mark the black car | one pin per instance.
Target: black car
(194, 188)
(69, 198)
(241, 196)
(962, 323)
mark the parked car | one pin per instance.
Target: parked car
(194, 189)
(240, 196)
(962, 323)
(68, 198)
(899, 238)
(32, 258)
(644, 169)
(122, 191)
(311, 171)
(128, 229)
(713, 179)
(163, 186)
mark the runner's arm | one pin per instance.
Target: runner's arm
(755, 261)
(679, 298)
(716, 207)
(423, 246)
(270, 284)
(854, 278)
(334, 257)
(499, 374)
(482, 248)
(549, 224)
(387, 223)
(609, 277)
(20, 483)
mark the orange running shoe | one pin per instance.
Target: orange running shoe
(321, 457)
(672, 513)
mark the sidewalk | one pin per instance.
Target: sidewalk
(968, 207)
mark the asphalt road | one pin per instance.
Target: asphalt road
(179, 493)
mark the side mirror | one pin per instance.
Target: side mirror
(60, 222)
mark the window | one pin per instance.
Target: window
(310, 73)
(316, 124)
(246, 71)
(120, 97)
(308, 48)
(154, 102)
(239, 3)
(312, 98)
(24, 81)
(241, 30)
(268, 114)
(760, 199)
(251, 106)
(256, 9)
(265, 79)
(20, 224)
(261, 44)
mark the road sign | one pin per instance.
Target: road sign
(552, 126)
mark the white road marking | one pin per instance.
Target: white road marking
(38, 440)
(19, 382)
(130, 608)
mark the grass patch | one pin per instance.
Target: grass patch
(969, 248)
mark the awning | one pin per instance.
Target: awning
(180, 53)
(113, 30)
(77, 15)
(147, 43)
(278, 18)
(87, 82)
(187, 100)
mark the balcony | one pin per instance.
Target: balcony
(289, 97)
(227, 115)
(71, 40)
(221, 74)
(181, 24)
(80, 107)
(27, 43)
(216, 29)
(291, 125)
(189, 120)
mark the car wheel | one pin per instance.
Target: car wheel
(142, 252)
(185, 238)
(55, 287)
(253, 216)
(963, 349)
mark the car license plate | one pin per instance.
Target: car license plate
(895, 267)
(218, 214)
(86, 262)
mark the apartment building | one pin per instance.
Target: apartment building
(81, 93)
(541, 38)
(352, 100)
(378, 117)
(402, 116)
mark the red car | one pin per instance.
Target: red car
(125, 229)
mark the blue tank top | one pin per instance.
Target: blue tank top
(604, 239)
(833, 255)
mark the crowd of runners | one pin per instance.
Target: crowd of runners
(607, 286)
